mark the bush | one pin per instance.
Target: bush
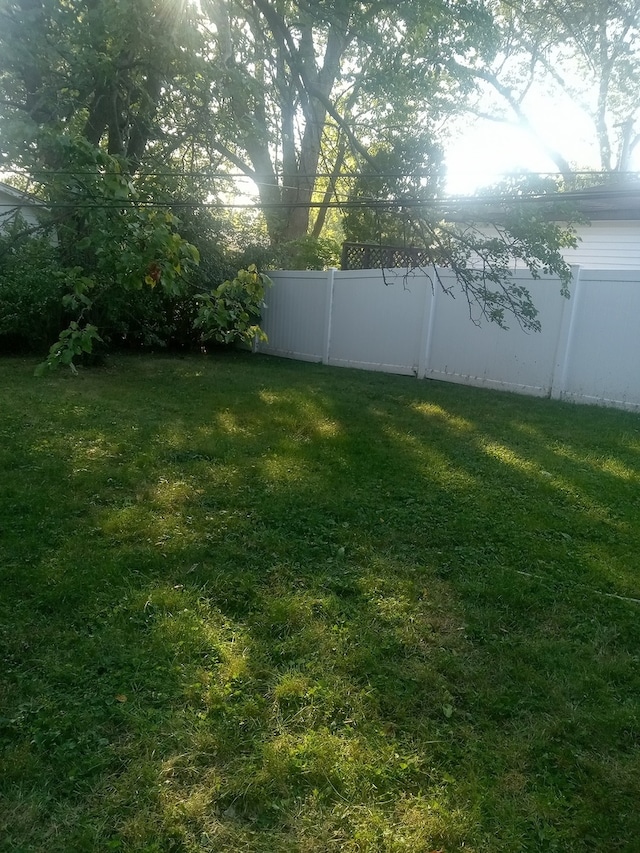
(231, 312)
(311, 253)
(305, 253)
(31, 287)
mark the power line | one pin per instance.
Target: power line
(349, 175)
(443, 204)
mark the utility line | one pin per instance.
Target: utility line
(351, 175)
(442, 204)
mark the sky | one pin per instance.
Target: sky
(482, 151)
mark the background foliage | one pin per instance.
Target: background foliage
(135, 120)
(31, 289)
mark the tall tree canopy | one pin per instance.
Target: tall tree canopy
(275, 90)
(281, 90)
(96, 69)
(297, 83)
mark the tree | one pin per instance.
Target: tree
(251, 85)
(92, 68)
(293, 75)
(82, 84)
(108, 245)
(587, 51)
(402, 168)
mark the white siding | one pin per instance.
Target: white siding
(612, 245)
(603, 245)
(13, 202)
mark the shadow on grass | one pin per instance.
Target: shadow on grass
(273, 607)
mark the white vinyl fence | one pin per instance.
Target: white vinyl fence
(588, 350)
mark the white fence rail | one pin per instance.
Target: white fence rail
(588, 349)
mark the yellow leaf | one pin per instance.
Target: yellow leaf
(121, 698)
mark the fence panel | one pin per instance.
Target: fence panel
(376, 320)
(588, 349)
(604, 359)
(468, 349)
(293, 318)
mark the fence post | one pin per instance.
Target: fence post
(566, 337)
(328, 311)
(428, 326)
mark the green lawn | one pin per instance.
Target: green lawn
(248, 604)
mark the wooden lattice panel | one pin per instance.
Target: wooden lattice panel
(362, 256)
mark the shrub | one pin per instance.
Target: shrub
(311, 253)
(231, 312)
(31, 287)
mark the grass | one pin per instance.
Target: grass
(254, 605)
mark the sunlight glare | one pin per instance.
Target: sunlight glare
(482, 151)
